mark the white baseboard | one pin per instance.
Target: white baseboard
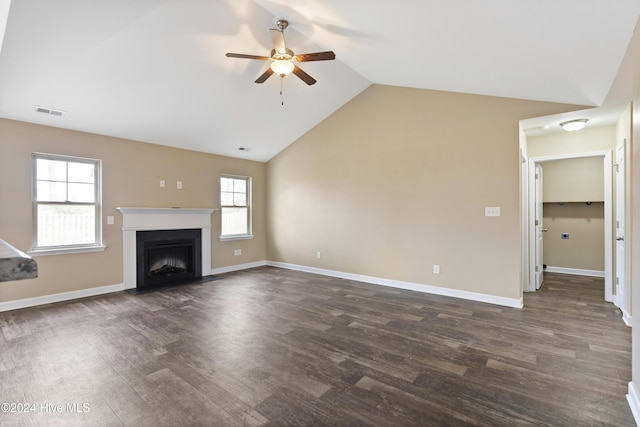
(490, 299)
(576, 271)
(634, 403)
(64, 296)
(238, 267)
(83, 293)
(626, 318)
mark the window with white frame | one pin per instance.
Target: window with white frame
(67, 206)
(235, 206)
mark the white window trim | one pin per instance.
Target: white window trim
(66, 250)
(249, 235)
(232, 237)
(98, 246)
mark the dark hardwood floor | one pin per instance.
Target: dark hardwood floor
(275, 347)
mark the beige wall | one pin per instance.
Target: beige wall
(573, 180)
(131, 172)
(584, 249)
(633, 56)
(627, 87)
(562, 143)
(397, 180)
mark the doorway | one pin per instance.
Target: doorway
(536, 223)
(541, 139)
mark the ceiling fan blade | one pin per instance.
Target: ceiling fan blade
(303, 76)
(317, 56)
(264, 76)
(277, 37)
(242, 55)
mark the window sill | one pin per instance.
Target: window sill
(236, 237)
(65, 251)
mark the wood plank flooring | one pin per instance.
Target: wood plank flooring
(275, 347)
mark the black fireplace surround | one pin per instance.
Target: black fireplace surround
(168, 257)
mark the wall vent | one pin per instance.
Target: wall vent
(50, 111)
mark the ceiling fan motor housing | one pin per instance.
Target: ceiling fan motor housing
(282, 24)
(287, 56)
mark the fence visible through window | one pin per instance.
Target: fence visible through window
(234, 221)
(64, 228)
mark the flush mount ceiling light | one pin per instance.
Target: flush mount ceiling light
(573, 125)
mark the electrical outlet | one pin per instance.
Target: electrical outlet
(179, 185)
(436, 269)
(162, 183)
(110, 219)
(237, 252)
(318, 255)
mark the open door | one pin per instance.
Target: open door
(619, 298)
(540, 230)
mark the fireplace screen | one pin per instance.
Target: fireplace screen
(168, 260)
(167, 257)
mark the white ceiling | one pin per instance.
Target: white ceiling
(155, 70)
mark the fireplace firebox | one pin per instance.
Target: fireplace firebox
(168, 257)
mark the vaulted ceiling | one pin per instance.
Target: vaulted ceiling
(156, 71)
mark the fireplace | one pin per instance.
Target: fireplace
(194, 220)
(167, 257)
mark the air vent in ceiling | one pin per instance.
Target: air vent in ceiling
(50, 111)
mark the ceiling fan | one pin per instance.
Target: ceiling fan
(283, 60)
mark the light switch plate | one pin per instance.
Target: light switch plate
(492, 211)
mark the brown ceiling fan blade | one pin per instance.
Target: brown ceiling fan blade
(303, 76)
(265, 76)
(317, 56)
(242, 55)
(277, 37)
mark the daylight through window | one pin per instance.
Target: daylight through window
(235, 202)
(66, 202)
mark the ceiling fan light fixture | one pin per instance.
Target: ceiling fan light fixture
(283, 60)
(282, 67)
(574, 125)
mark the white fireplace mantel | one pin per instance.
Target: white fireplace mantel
(135, 219)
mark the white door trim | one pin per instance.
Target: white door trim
(524, 220)
(539, 224)
(531, 226)
(608, 215)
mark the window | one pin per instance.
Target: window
(66, 204)
(235, 205)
